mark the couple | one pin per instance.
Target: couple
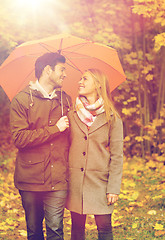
(47, 132)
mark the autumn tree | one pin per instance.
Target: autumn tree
(135, 28)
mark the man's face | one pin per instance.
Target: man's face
(57, 75)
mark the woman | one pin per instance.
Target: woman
(96, 156)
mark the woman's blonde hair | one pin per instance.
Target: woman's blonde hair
(103, 89)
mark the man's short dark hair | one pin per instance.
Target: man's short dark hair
(51, 59)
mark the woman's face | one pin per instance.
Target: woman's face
(87, 85)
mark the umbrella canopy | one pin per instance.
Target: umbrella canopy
(81, 54)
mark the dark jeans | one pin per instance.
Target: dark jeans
(103, 223)
(38, 205)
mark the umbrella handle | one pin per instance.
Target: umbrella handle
(31, 97)
(62, 107)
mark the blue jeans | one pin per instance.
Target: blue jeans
(38, 205)
(103, 223)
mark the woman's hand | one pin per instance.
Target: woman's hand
(112, 198)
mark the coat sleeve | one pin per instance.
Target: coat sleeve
(116, 155)
(24, 137)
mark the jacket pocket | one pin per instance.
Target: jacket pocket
(30, 167)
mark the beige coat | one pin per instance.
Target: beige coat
(95, 164)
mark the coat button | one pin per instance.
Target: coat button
(84, 153)
(85, 137)
(82, 169)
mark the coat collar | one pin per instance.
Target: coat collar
(38, 87)
(99, 121)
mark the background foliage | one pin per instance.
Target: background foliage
(136, 29)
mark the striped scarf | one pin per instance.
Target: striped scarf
(86, 112)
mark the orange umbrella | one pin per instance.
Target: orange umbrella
(18, 69)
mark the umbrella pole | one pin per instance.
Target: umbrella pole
(62, 110)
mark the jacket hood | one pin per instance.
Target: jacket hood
(60, 95)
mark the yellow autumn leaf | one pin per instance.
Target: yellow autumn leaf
(159, 41)
(162, 112)
(9, 221)
(122, 196)
(21, 219)
(125, 191)
(147, 197)
(134, 225)
(127, 139)
(132, 184)
(91, 226)
(68, 228)
(139, 204)
(3, 233)
(158, 122)
(2, 204)
(139, 139)
(115, 217)
(12, 211)
(125, 103)
(69, 222)
(149, 77)
(148, 138)
(158, 226)
(1, 193)
(151, 212)
(147, 68)
(22, 233)
(151, 164)
(133, 196)
(130, 209)
(129, 111)
(161, 158)
(128, 184)
(157, 197)
(114, 212)
(4, 228)
(116, 223)
(132, 99)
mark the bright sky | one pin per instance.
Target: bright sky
(33, 4)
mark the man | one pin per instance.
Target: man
(39, 127)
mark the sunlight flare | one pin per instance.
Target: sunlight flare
(33, 4)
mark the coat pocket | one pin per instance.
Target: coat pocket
(30, 167)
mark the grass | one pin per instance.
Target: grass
(138, 214)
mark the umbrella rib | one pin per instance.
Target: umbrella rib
(73, 65)
(44, 46)
(16, 59)
(85, 56)
(80, 55)
(80, 45)
(25, 79)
